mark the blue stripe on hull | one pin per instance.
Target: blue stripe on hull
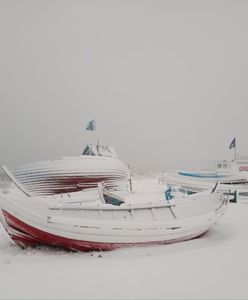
(198, 175)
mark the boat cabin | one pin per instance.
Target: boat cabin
(99, 150)
(232, 166)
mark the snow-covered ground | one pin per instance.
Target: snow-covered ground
(213, 266)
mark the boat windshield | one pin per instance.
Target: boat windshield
(110, 199)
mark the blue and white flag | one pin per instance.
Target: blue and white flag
(233, 144)
(91, 125)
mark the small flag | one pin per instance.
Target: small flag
(91, 125)
(233, 144)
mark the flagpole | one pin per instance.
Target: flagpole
(92, 126)
(97, 143)
(130, 179)
(97, 139)
(235, 150)
(233, 145)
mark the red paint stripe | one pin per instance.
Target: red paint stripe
(35, 236)
(68, 184)
(25, 241)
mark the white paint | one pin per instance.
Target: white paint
(213, 266)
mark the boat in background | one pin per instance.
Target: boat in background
(232, 175)
(225, 170)
(112, 222)
(97, 163)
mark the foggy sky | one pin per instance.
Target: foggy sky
(166, 81)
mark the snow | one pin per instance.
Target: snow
(213, 266)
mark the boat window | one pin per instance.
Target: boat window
(224, 166)
(86, 150)
(219, 166)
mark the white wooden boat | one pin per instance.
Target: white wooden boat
(109, 223)
(71, 174)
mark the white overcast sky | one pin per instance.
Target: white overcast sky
(166, 81)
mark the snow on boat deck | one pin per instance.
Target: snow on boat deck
(213, 266)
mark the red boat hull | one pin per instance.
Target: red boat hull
(25, 235)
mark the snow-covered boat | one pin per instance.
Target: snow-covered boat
(232, 174)
(71, 174)
(111, 222)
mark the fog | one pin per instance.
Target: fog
(166, 81)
